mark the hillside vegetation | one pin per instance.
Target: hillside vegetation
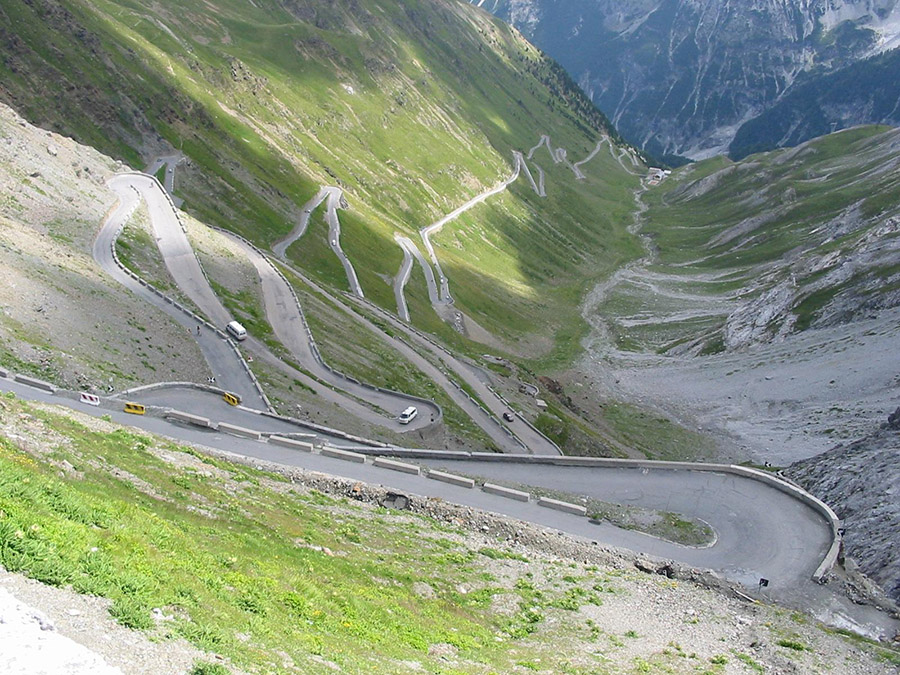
(293, 572)
(411, 107)
(748, 252)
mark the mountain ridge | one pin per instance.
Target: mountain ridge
(681, 77)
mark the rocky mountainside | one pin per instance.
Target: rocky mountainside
(680, 77)
(868, 90)
(861, 481)
(55, 300)
(750, 252)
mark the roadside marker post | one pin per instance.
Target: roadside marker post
(90, 399)
(135, 408)
(231, 399)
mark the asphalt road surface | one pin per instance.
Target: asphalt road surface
(285, 317)
(280, 247)
(225, 365)
(402, 278)
(760, 531)
(335, 197)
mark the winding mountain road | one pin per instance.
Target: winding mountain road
(336, 201)
(442, 296)
(411, 252)
(426, 232)
(224, 362)
(280, 247)
(760, 531)
(402, 278)
(334, 198)
(286, 318)
(281, 309)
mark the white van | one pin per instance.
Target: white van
(408, 415)
(236, 330)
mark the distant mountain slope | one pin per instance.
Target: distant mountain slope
(753, 251)
(411, 108)
(679, 77)
(868, 90)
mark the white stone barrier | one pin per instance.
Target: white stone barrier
(34, 382)
(575, 509)
(394, 465)
(452, 479)
(343, 454)
(500, 491)
(235, 430)
(188, 418)
(291, 443)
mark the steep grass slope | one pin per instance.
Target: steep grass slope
(411, 107)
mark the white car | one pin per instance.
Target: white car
(408, 415)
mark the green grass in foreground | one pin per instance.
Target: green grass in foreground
(228, 550)
(277, 577)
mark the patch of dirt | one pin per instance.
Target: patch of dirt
(59, 309)
(86, 620)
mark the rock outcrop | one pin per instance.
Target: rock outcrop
(861, 482)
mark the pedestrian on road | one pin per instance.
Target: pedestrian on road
(198, 330)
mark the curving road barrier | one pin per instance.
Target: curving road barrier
(222, 356)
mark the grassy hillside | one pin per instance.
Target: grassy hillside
(411, 107)
(297, 572)
(778, 243)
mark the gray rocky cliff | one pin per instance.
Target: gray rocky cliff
(861, 482)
